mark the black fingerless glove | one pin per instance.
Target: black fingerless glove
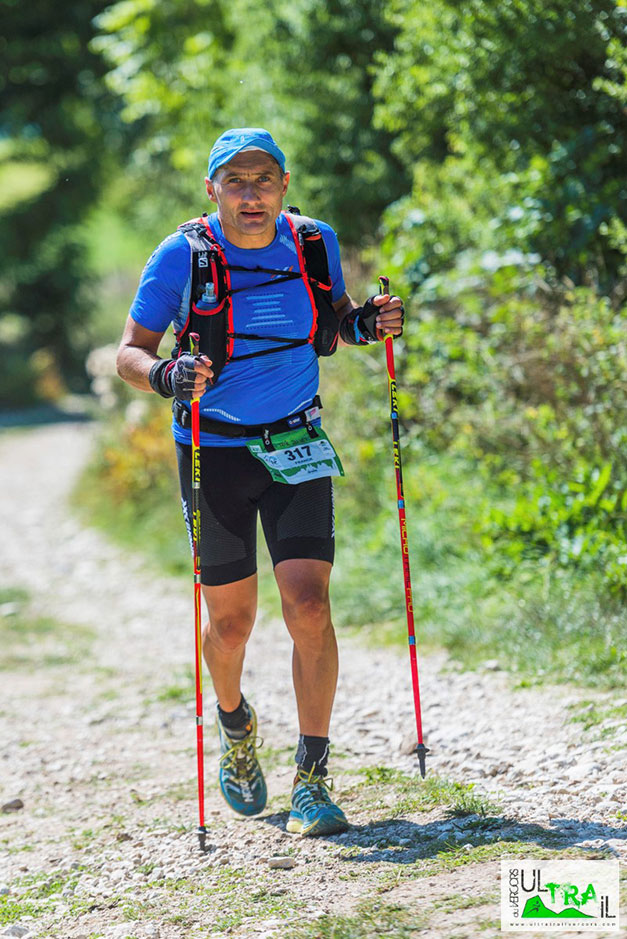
(174, 378)
(358, 328)
(159, 378)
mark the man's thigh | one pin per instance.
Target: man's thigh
(231, 482)
(299, 521)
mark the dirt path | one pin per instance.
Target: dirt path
(97, 740)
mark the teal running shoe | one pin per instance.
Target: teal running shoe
(313, 812)
(241, 780)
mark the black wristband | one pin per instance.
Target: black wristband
(347, 329)
(367, 320)
(353, 330)
(159, 378)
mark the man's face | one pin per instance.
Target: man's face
(249, 194)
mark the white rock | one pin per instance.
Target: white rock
(281, 862)
(617, 844)
(121, 931)
(16, 930)
(605, 806)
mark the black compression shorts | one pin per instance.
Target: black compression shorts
(298, 521)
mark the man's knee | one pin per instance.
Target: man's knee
(228, 633)
(308, 603)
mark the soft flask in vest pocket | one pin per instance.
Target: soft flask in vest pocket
(210, 307)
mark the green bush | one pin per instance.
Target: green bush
(525, 380)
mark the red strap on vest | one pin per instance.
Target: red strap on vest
(303, 271)
(230, 342)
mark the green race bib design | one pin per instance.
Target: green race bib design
(297, 457)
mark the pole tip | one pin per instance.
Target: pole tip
(202, 838)
(422, 751)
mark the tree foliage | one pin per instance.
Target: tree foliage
(56, 127)
(524, 97)
(189, 70)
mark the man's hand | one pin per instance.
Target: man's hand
(184, 378)
(190, 376)
(381, 316)
(391, 315)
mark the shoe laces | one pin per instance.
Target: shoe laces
(315, 788)
(241, 756)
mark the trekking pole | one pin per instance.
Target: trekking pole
(421, 750)
(202, 831)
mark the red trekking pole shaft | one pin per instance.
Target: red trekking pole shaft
(421, 750)
(200, 751)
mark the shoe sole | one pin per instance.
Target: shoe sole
(332, 827)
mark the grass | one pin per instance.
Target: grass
(371, 921)
(412, 794)
(609, 718)
(183, 688)
(28, 640)
(545, 624)
(35, 889)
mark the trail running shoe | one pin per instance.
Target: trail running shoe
(313, 812)
(241, 779)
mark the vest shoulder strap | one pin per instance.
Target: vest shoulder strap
(316, 262)
(314, 248)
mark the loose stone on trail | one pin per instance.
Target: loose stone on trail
(281, 863)
(13, 806)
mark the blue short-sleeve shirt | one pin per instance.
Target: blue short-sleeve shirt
(260, 389)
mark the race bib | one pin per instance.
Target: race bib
(297, 457)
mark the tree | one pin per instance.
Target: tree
(57, 126)
(523, 93)
(187, 71)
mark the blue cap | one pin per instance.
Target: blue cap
(233, 141)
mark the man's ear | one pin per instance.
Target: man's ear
(286, 181)
(210, 190)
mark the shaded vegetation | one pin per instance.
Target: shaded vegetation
(472, 152)
(58, 131)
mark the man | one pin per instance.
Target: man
(267, 385)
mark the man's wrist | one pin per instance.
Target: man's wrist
(159, 378)
(352, 329)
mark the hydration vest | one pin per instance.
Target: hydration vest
(214, 326)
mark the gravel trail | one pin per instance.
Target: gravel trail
(97, 740)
